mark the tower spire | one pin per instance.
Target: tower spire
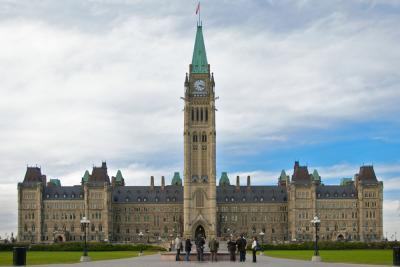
(199, 59)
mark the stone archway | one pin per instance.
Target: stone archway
(200, 231)
(340, 237)
(59, 239)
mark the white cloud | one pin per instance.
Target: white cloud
(102, 80)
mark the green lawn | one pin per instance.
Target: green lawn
(361, 256)
(48, 257)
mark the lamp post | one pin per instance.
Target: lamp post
(316, 222)
(262, 242)
(85, 224)
(141, 246)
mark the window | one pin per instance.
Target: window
(93, 228)
(199, 199)
(192, 114)
(197, 114)
(206, 115)
(204, 138)
(194, 138)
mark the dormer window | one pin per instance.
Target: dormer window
(255, 199)
(232, 199)
(244, 199)
(127, 199)
(336, 194)
(156, 199)
(173, 199)
(56, 195)
(344, 194)
(47, 196)
(73, 195)
(226, 199)
(65, 196)
(168, 199)
(145, 199)
(327, 195)
(261, 199)
(139, 199)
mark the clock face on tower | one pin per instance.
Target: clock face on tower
(199, 86)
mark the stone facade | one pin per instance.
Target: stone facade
(49, 212)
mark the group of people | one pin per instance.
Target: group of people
(239, 245)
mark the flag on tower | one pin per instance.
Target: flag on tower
(198, 8)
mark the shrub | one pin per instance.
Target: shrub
(78, 246)
(331, 245)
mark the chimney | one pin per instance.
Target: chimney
(151, 182)
(248, 181)
(162, 182)
(237, 183)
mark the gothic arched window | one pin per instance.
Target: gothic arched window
(194, 137)
(199, 199)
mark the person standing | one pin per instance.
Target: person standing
(254, 248)
(188, 249)
(213, 245)
(200, 247)
(241, 245)
(232, 249)
(178, 247)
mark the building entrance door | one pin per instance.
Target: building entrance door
(200, 231)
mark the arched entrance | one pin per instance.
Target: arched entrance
(59, 239)
(340, 237)
(200, 231)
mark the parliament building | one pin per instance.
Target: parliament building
(49, 212)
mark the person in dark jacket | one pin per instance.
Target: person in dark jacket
(213, 245)
(188, 248)
(232, 249)
(241, 245)
(200, 247)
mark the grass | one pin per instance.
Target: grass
(360, 256)
(51, 257)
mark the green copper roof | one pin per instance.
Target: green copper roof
(176, 180)
(315, 176)
(283, 176)
(346, 181)
(224, 180)
(85, 177)
(119, 176)
(199, 59)
(55, 182)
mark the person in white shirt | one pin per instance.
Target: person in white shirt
(254, 248)
(178, 247)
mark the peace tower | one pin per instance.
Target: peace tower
(199, 145)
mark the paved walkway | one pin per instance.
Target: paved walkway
(154, 261)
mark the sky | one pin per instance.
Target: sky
(89, 81)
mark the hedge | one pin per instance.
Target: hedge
(329, 245)
(78, 246)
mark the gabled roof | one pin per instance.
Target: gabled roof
(367, 175)
(137, 194)
(315, 176)
(119, 177)
(86, 176)
(199, 59)
(336, 191)
(63, 192)
(224, 180)
(99, 175)
(176, 180)
(55, 182)
(33, 175)
(254, 194)
(300, 174)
